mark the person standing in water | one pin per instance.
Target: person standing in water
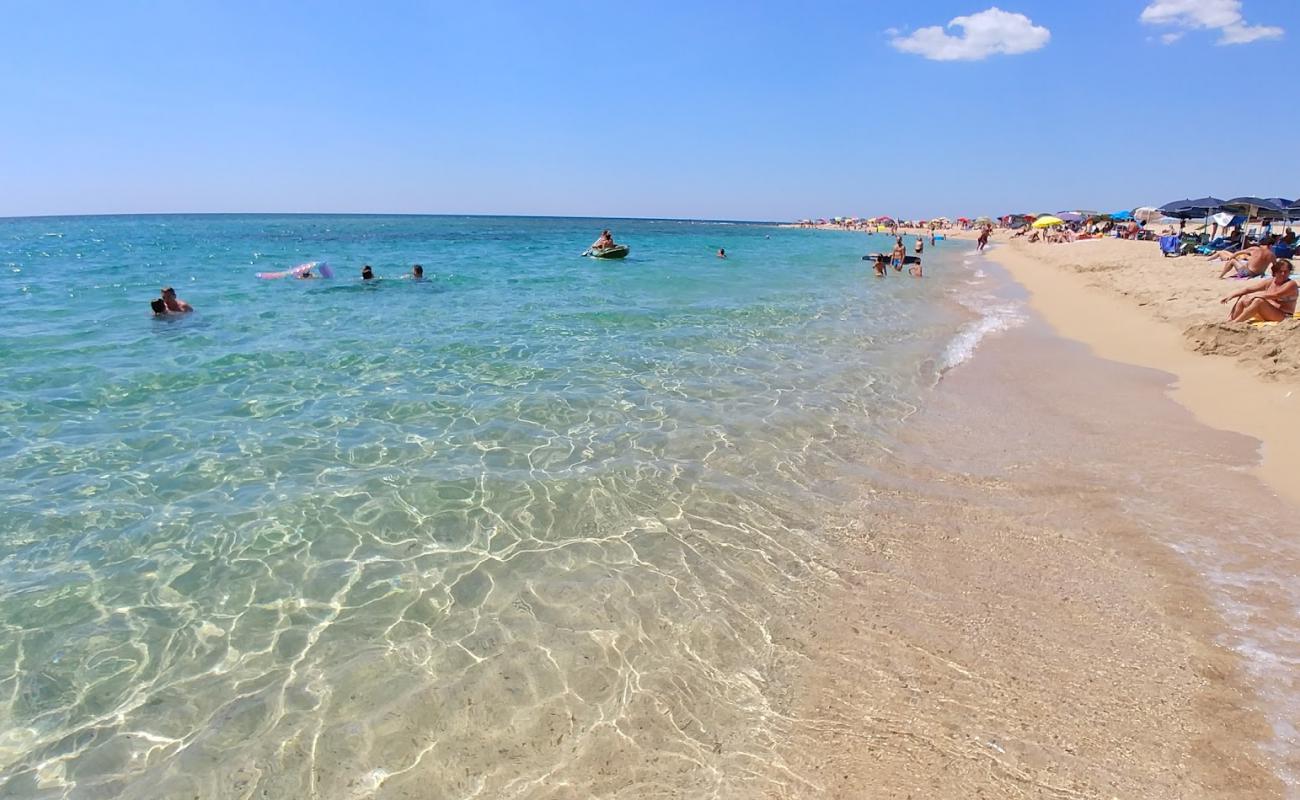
(367, 274)
(899, 255)
(920, 245)
(983, 241)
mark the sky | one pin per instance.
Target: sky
(713, 110)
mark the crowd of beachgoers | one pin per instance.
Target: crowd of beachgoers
(1247, 238)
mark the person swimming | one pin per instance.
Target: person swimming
(920, 245)
(417, 273)
(722, 253)
(367, 274)
(159, 307)
(173, 304)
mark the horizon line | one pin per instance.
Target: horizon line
(6, 218)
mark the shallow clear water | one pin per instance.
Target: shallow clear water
(501, 526)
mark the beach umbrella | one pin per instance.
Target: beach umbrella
(983, 221)
(1047, 221)
(1256, 207)
(1148, 214)
(1122, 216)
(1069, 216)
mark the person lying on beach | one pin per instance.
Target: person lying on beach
(1252, 262)
(1270, 300)
(174, 304)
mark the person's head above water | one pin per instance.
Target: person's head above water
(417, 271)
(367, 273)
(158, 306)
(168, 291)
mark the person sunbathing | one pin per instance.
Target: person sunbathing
(1252, 262)
(1270, 300)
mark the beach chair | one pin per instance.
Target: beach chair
(1170, 246)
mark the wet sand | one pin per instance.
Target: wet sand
(1031, 609)
(1132, 305)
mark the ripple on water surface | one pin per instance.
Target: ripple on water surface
(535, 519)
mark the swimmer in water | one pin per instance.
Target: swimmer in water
(920, 245)
(159, 307)
(915, 270)
(173, 304)
(881, 266)
(899, 255)
(417, 273)
(305, 275)
(722, 253)
(367, 274)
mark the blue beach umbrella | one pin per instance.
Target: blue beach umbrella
(1122, 216)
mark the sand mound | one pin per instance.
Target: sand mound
(1271, 349)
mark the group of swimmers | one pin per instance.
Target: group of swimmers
(898, 257)
(167, 303)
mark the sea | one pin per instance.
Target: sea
(536, 520)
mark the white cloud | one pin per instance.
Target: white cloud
(1221, 15)
(981, 35)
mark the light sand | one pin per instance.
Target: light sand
(1016, 626)
(1129, 303)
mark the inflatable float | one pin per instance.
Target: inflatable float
(885, 257)
(322, 271)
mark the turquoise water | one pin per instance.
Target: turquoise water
(479, 532)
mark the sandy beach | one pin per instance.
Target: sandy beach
(1130, 303)
(1122, 622)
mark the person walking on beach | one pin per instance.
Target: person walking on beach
(1270, 300)
(983, 241)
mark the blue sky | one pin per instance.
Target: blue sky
(744, 110)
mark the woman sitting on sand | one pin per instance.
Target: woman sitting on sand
(1271, 300)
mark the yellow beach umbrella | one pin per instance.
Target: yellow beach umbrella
(1047, 221)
